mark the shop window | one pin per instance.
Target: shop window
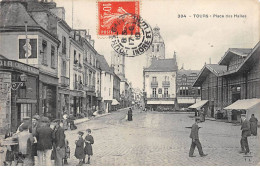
(26, 110)
(52, 56)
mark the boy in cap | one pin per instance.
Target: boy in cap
(79, 151)
(194, 135)
(89, 140)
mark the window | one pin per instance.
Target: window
(64, 68)
(152, 48)
(75, 81)
(158, 47)
(75, 57)
(26, 110)
(52, 56)
(166, 92)
(154, 92)
(44, 52)
(79, 58)
(86, 77)
(166, 78)
(64, 45)
(90, 59)
(198, 90)
(154, 79)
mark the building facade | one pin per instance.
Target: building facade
(186, 94)
(159, 77)
(42, 49)
(235, 77)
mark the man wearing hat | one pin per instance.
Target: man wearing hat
(35, 125)
(246, 132)
(26, 120)
(58, 142)
(194, 135)
(44, 142)
(25, 141)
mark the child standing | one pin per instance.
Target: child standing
(79, 151)
(89, 140)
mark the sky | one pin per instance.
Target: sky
(196, 40)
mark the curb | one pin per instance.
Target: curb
(87, 119)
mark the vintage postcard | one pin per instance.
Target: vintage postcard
(129, 82)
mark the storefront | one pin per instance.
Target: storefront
(48, 88)
(77, 105)
(19, 93)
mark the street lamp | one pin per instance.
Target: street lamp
(16, 85)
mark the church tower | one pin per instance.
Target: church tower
(157, 49)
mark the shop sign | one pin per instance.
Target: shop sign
(18, 66)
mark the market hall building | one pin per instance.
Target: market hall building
(230, 84)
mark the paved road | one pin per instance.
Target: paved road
(154, 138)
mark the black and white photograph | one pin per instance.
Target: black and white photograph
(129, 83)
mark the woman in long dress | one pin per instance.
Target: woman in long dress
(253, 125)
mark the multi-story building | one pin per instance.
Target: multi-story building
(107, 80)
(77, 92)
(159, 77)
(116, 92)
(186, 94)
(234, 78)
(41, 49)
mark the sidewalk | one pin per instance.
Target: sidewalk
(83, 120)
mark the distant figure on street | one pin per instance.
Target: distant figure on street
(79, 151)
(35, 125)
(194, 135)
(58, 142)
(245, 133)
(253, 125)
(89, 140)
(130, 114)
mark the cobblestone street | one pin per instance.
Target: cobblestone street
(156, 138)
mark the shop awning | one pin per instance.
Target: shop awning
(160, 102)
(243, 104)
(115, 102)
(198, 105)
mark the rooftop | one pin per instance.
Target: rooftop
(162, 65)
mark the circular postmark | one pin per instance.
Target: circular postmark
(133, 36)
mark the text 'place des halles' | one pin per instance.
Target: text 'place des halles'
(63, 102)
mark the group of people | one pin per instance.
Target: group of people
(248, 127)
(41, 139)
(81, 152)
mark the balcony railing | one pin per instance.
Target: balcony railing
(166, 83)
(65, 81)
(154, 84)
(154, 95)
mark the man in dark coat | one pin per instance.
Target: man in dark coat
(130, 114)
(58, 143)
(245, 133)
(253, 124)
(194, 135)
(44, 142)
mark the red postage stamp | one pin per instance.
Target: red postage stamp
(113, 17)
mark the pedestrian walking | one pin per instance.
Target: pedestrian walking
(130, 114)
(89, 140)
(58, 142)
(25, 140)
(79, 151)
(245, 127)
(253, 124)
(44, 142)
(194, 135)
